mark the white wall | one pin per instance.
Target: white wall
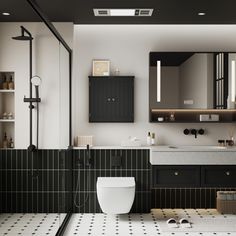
(128, 47)
(47, 63)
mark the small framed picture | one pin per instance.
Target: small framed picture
(101, 67)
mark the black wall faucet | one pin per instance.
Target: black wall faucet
(194, 132)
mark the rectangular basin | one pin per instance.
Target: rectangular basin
(193, 155)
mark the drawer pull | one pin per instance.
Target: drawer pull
(108, 99)
(176, 173)
(227, 173)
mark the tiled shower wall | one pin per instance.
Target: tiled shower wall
(48, 189)
(28, 187)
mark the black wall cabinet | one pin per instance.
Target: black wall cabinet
(111, 99)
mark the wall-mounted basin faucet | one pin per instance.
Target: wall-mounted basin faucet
(194, 132)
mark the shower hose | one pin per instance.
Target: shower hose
(87, 185)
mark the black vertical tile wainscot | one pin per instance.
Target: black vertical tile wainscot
(110, 163)
(186, 197)
(26, 188)
(38, 182)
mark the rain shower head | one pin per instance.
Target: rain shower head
(24, 37)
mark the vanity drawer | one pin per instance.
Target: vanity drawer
(218, 176)
(176, 176)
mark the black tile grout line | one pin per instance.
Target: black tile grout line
(34, 191)
(96, 191)
(198, 188)
(38, 170)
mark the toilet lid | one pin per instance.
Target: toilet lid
(115, 182)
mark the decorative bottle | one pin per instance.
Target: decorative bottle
(11, 143)
(11, 84)
(4, 84)
(149, 139)
(231, 141)
(5, 141)
(153, 139)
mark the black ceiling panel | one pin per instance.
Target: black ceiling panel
(169, 58)
(165, 11)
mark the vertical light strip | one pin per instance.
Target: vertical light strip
(233, 80)
(158, 81)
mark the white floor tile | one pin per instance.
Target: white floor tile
(142, 224)
(30, 224)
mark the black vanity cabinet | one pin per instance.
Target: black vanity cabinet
(111, 98)
(220, 176)
(176, 176)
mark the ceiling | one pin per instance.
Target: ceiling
(165, 11)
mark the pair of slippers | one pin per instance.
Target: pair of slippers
(183, 223)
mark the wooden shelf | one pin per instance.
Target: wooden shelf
(192, 115)
(193, 110)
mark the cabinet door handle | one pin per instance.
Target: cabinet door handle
(227, 173)
(176, 173)
(113, 99)
(108, 99)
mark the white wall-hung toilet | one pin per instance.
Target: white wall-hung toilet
(116, 194)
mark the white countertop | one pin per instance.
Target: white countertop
(183, 155)
(192, 148)
(170, 148)
(115, 147)
(193, 155)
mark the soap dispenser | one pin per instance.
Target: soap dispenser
(153, 139)
(149, 139)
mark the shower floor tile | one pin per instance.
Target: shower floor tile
(30, 224)
(143, 224)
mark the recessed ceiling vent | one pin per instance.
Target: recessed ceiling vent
(101, 12)
(123, 12)
(143, 12)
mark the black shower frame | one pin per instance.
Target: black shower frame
(54, 31)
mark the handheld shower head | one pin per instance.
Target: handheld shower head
(36, 80)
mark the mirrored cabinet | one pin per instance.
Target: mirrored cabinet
(192, 86)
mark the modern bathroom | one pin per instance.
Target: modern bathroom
(117, 118)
